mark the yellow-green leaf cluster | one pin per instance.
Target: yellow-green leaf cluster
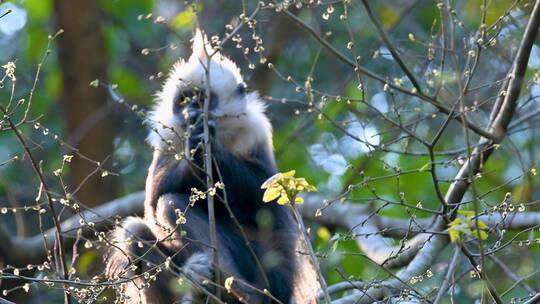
(465, 224)
(285, 188)
(185, 18)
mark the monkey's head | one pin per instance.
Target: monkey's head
(239, 115)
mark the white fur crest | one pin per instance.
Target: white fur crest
(241, 122)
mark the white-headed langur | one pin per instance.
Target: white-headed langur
(257, 243)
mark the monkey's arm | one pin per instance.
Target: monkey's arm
(242, 175)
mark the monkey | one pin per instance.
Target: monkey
(257, 242)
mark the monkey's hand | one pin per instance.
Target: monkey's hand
(195, 123)
(198, 268)
(117, 265)
(200, 271)
(120, 258)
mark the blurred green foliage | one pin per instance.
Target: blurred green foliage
(128, 32)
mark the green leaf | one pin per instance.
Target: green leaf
(335, 245)
(228, 284)
(425, 167)
(454, 235)
(283, 199)
(184, 19)
(94, 83)
(466, 213)
(272, 193)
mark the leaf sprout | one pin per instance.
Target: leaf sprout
(285, 188)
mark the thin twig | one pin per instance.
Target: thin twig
(390, 46)
(478, 130)
(480, 272)
(447, 279)
(56, 219)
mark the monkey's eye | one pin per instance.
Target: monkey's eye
(241, 89)
(184, 98)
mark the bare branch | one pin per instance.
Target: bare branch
(478, 130)
(427, 254)
(393, 50)
(20, 252)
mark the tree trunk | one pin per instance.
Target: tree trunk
(89, 125)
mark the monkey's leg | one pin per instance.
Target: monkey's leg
(273, 248)
(192, 242)
(135, 260)
(185, 232)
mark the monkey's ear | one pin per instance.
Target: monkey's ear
(201, 45)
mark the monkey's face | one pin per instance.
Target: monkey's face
(207, 73)
(206, 77)
(222, 104)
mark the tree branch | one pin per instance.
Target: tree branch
(393, 50)
(443, 108)
(427, 254)
(20, 252)
(362, 223)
